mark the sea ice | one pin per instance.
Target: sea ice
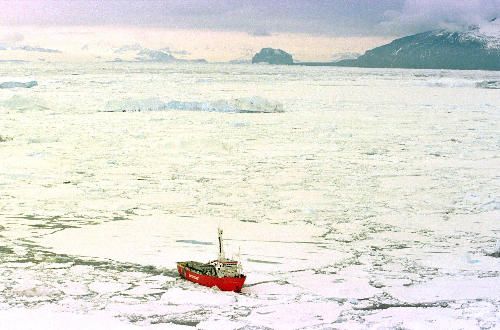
(55, 320)
(386, 220)
(108, 287)
(449, 288)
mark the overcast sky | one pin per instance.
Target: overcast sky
(379, 20)
(334, 17)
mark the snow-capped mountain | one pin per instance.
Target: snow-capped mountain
(475, 48)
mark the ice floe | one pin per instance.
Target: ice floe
(197, 296)
(449, 288)
(239, 105)
(160, 242)
(18, 84)
(489, 84)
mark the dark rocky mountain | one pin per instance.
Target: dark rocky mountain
(469, 50)
(272, 56)
(477, 48)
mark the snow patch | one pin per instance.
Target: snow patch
(329, 287)
(108, 287)
(296, 316)
(200, 296)
(153, 241)
(449, 288)
(44, 318)
(418, 318)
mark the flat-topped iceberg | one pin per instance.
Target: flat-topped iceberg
(253, 104)
(240, 105)
(18, 84)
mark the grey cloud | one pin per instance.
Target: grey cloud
(28, 48)
(151, 55)
(340, 17)
(261, 33)
(8, 40)
(344, 56)
(423, 15)
(128, 48)
(163, 54)
(38, 49)
(12, 37)
(259, 17)
(175, 51)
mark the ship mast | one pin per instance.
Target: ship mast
(221, 246)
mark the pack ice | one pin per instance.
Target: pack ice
(372, 202)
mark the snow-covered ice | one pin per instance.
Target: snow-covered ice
(358, 198)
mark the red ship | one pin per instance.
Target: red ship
(222, 273)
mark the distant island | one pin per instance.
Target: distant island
(273, 56)
(137, 53)
(440, 49)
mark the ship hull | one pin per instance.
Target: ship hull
(223, 283)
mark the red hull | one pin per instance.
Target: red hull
(223, 283)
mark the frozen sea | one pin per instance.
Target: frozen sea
(358, 198)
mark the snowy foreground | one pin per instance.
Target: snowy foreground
(359, 198)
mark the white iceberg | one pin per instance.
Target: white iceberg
(131, 105)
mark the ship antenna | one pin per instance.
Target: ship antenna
(221, 245)
(240, 267)
(238, 256)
